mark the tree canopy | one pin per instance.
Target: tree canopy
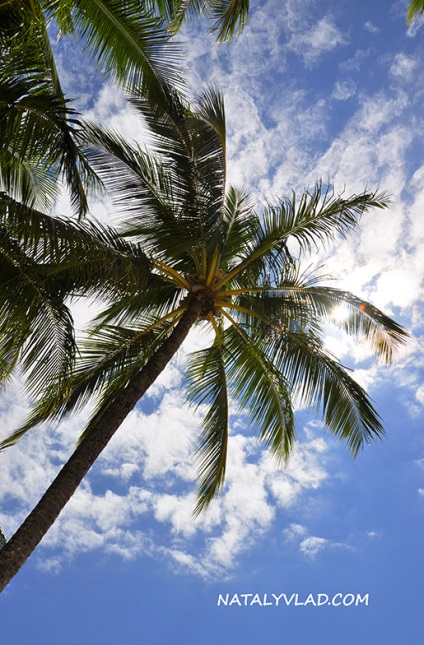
(192, 250)
(189, 251)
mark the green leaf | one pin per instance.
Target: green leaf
(318, 379)
(35, 324)
(260, 388)
(415, 9)
(206, 384)
(129, 41)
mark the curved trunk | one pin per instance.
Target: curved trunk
(38, 522)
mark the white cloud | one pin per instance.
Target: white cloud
(294, 532)
(343, 90)
(160, 442)
(403, 67)
(369, 26)
(320, 39)
(374, 535)
(112, 110)
(312, 546)
(419, 394)
(355, 63)
(149, 472)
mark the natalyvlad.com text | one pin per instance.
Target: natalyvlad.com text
(292, 600)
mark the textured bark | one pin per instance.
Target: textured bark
(33, 529)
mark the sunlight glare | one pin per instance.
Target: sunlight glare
(340, 313)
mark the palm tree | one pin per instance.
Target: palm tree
(40, 145)
(192, 252)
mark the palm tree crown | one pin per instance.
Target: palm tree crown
(205, 249)
(192, 251)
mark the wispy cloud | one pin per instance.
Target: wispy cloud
(318, 40)
(371, 27)
(343, 90)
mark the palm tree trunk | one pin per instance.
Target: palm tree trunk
(33, 529)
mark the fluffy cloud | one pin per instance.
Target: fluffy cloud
(312, 546)
(147, 474)
(420, 394)
(294, 531)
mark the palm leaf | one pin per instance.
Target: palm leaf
(320, 380)
(147, 190)
(231, 16)
(36, 124)
(415, 9)
(206, 384)
(239, 223)
(108, 359)
(303, 305)
(261, 389)
(128, 41)
(35, 324)
(179, 198)
(82, 257)
(316, 219)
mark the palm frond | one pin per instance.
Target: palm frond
(316, 219)
(148, 191)
(80, 258)
(157, 298)
(362, 320)
(191, 140)
(108, 359)
(178, 195)
(238, 225)
(206, 384)
(261, 389)
(320, 216)
(25, 181)
(37, 126)
(415, 9)
(61, 12)
(128, 41)
(35, 324)
(301, 302)
(230, 16)
(318, 379)
(209, 138)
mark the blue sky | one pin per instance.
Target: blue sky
(312, 89)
